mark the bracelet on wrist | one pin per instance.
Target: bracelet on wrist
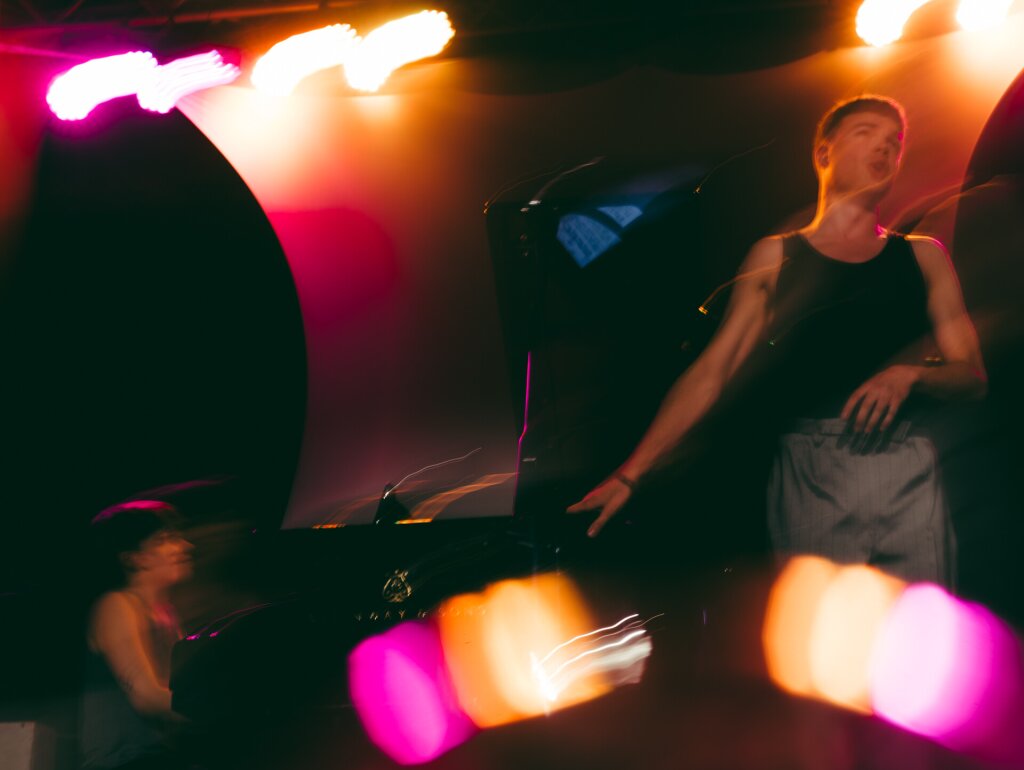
(620, 476)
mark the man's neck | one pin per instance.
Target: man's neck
(849, 218)
(152, 596)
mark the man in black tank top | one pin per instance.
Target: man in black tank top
(839, 310)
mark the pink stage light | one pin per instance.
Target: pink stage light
(165, 85)
(74, 94)
(913, 655)
(403, 695)
(281, 68)
(951, 671)
(395, 44)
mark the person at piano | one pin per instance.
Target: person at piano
(127, 721)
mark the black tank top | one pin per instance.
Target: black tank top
(835, 324)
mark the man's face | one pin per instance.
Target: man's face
(165, 557)
(863, 154)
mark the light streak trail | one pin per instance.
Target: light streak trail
(167, 84)
(609, 657)
(77, 92)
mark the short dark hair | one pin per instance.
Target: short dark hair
(123, 528)
(882, 105)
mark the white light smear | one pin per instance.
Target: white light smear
(617, 652)
(281, 68)
(395, 44)
(74, 94)
(431, 467)
(880, 22)
(589, 634)
(975, 15)
(168, 83)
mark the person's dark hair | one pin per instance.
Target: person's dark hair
(121, 529)
(881, 105)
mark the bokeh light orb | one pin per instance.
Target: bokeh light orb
(402, 692)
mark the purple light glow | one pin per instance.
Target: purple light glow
(403, 695)
(73, 95)
(951, 671)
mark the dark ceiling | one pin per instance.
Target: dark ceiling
(693, 35)
(473, 16)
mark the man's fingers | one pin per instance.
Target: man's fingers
(582, 506)
(609, 510)
(889, 416)
(851, 404)
(594, 499)
(879, 411)
(863, 412)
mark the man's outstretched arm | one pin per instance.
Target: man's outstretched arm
(698, 389)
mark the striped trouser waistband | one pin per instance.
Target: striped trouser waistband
(898, 431)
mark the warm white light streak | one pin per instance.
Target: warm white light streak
(880, 22)
(975, 15)
(281, 68)
(630, 648)
(612, 627)
(165, 85)
(74, 94)
(395, 44)
(597, 650)
(615, 657)
(368, 61)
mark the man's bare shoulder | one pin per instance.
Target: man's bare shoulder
(114, 609)
(112, 616)
(931, 256)
(764, 254)
(762, 264)
(927, 248)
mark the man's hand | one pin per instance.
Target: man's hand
(875, 403)
(608, 497)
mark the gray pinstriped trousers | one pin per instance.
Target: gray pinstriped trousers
(878, 502)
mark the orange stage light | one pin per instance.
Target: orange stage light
(880, 22)
(494, 640)
(849, 616)
(974, 15)
(821, 628)
(395, 44)
(790, 619)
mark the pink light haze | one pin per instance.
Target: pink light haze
(403, 695)
(951, 671)
(165, 85)
(77, 92)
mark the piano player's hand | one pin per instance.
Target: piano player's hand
(607, 498)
